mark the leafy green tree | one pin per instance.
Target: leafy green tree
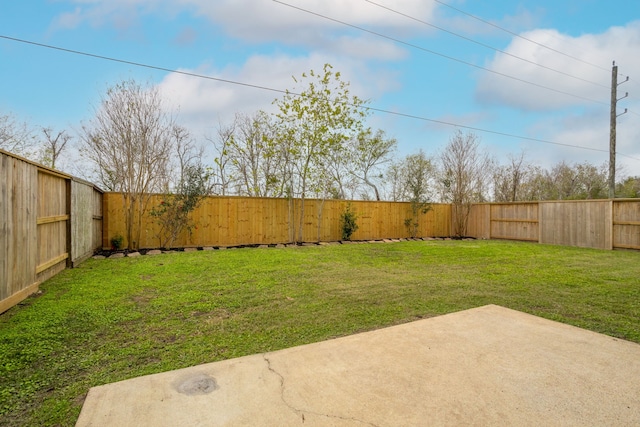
(418, 177)
(563, 181)
(173, 214)
(253, 163)
(629, 188)
(312, 124)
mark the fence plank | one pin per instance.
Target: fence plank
(50, 219)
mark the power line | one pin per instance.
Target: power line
(442, 122)
(483, 44)
(527, 39)
(139, 64)
(287, 92)
(520, 36)
(451, 58)
(502, 51)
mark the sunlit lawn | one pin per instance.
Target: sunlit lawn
(115, 319)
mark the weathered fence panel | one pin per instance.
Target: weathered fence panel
(584, 223)
(514, 221)
(479, 222)
(509, 221)
(86, 220)
(233, 221)
(53, 224)
(18, 232)
(626, 224)
(604, 224)
(37, 213)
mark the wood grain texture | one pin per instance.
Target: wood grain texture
(233, 221)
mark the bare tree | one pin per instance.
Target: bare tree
(368, 153)
(130, 141)
(53, 146)
(464, 176)
(340, 182)
(566, 181)
(253, 161)
(508, 180)
(222, 172)
(189, 155)
(394, 186)
(412, 180)
(536, 184)
(16, 137)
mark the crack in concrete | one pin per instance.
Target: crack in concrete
(300, 411)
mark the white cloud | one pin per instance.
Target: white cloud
(265, 21)
(186, 37)
(69, 20)
(363, 48)
(618, 42)
(523, 19)
(571, 120)
(588, 129)
(121, 14)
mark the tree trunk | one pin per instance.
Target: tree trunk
(320, 210)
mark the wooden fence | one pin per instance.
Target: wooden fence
(43, 217)
(50, 220)
(233, 221)
(603, 224)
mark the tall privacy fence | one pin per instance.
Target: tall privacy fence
(233, 221)
(602, 224)
(49, 221)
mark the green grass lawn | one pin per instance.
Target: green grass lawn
(110, 320)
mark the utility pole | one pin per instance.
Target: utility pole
(612, 128)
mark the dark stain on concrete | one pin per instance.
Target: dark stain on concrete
(195, 385)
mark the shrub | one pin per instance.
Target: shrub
(116, 242)
(348, 222)
(173, 214)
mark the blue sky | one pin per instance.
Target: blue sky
(265, 43)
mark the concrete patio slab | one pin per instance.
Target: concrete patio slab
(485, 366)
